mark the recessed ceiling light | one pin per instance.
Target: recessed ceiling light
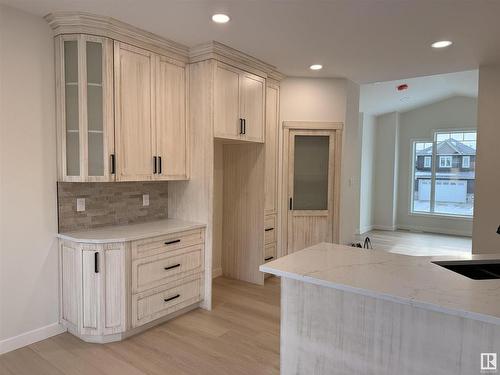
(316, 67)
(441, 44)
(220, 18)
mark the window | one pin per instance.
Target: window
(465, 161)
(445, 161)
(449, 189)
(427, 161)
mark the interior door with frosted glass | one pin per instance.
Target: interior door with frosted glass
(310, 188)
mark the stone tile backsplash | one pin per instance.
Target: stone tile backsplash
(110, 204)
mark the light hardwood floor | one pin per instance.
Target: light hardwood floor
(239, 336)
(423, 244)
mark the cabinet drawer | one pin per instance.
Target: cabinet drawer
(160, 302)
(162, 244)
(270, 229)
(270, 252)
(160, 269)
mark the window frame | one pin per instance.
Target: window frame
(445, 157)
(411, 175)
(466, 157)
(429, 160)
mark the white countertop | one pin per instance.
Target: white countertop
(400, 278)
(131, 232)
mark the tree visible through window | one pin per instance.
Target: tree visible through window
(447, 186)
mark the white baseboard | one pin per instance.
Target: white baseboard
(452, 232)
(384, 227)
(27, 338)
(363, 230)
(216, 272)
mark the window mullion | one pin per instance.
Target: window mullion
(433, 175)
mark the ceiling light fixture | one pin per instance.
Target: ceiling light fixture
(316, 67)
(220, 18)
(441, 44)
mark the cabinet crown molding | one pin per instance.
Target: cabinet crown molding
(221, 52)
(70, 22)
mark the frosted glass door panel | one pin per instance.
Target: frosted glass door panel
(95, 109)
(71, 108)
(310, 181)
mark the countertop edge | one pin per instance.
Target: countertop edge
(111, 239)
(388, 297)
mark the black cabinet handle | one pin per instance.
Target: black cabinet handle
(269, 229)
(244, 126)
(113, 166)
(154, 164)
(268, 258)
(241, 126)
(291, 204)
(171, 267)
(96, 262)
(171, 298)
(172, 242)
(159, 164)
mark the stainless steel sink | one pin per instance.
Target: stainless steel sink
(474, 269)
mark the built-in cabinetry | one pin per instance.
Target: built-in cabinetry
(271, 167)
(239, 111)
(110, 290)
(121, 111)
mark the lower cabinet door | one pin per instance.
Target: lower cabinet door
(91, 295)
(159, 302)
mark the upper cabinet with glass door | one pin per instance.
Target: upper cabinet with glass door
(85, 108)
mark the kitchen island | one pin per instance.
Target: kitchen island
(352, 311)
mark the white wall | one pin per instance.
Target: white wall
(385, 171)
(28, 251)
(366, 201)
(458, 112)
(487, 202)
(336, 100)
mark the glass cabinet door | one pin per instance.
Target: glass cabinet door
(87, 95)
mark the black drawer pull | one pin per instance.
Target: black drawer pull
(171, 298)
(172, 242)
(96, 262)
(174, 266)
(269, 229)
(268, 258)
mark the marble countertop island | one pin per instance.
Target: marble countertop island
(399, 278)
(130, 232)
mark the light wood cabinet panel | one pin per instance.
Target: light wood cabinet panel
(69, 281)
(271, 148)
(134, 92)
(239, 103)
(91, 280)
(227, 103)
(114, 289)
(252, 97)
(170, 122)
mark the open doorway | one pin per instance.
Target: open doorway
(418, 163)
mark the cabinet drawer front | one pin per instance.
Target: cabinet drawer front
(158, 270)
(270, 229)
(270, 252)
(160, 302)
(162, 244)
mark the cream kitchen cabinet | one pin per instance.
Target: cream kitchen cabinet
(150, 116)
(117, 281)
(239, 112)
(84, 101)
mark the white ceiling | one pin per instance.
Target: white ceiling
(383, 97)
(363, 40)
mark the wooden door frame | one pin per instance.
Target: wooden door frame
(287, 126)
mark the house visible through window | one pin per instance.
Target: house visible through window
(448, 189)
